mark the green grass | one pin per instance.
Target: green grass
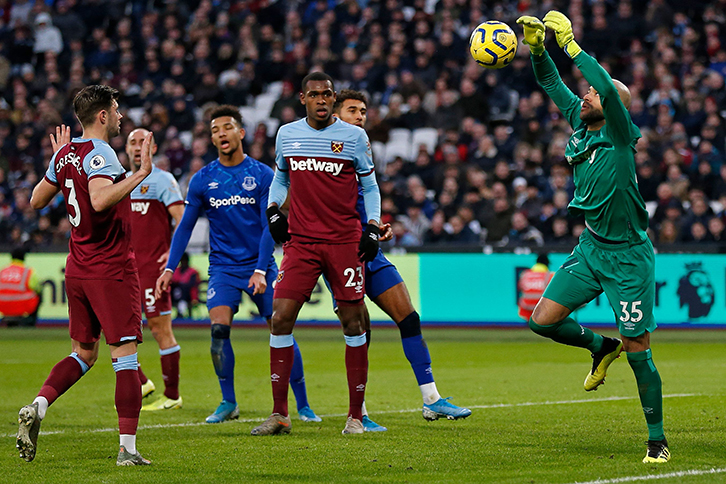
(531, 423)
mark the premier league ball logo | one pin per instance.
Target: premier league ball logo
(696, 291)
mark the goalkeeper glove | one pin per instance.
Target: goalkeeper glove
(278, 224)
(562, 27)
(534, 33)
(368, 246)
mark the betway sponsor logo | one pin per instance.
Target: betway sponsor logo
(311, 164)
(234, 200)
(141, 207)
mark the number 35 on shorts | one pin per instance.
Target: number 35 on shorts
(630, 312)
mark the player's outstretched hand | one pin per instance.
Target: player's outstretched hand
(368, 247)
(163, 283)
(278, 224)
(386, 232)
(259, 282)
(534, 33)
(62, 137)
(562, 27)
(147, 151)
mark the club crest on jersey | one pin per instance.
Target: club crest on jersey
(249, 183)
(336, 146)
(144, 189)
(97, 162)
(280, 275)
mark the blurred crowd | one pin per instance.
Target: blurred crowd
(489, 167)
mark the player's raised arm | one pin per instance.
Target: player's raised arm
(614, 95)
(46, 189)
(546, 72)
(104, 193)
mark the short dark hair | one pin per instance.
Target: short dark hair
(18, 253)
(91, 100)
(316, 76)
(346, 94)
(227, 110)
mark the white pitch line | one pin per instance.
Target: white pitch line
(651, 477)
(410, 410)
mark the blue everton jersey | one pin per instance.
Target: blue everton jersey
(234, 200)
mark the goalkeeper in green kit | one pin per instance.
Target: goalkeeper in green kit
(614, 254)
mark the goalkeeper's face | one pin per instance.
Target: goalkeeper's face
(591, 110)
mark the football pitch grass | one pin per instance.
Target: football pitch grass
(531, 420)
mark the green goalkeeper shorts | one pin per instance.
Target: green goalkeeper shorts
(625, 273)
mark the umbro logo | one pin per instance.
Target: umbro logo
(275, 377)
(213, 185)
(296, 145)
(361, 387)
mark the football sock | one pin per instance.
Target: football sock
(363, 409)
(129, 442)
(415, 349)
(282, 355)
(569, 332)
(63, 375)
(142, 377)
(170, 371)
(430, 393)
(356, 367)
(223, 360)
(650, 391)
(42, 406)
(128, 394)
(297, 378)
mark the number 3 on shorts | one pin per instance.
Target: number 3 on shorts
(634, 315)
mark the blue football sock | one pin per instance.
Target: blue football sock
(297, 379)
(415, 349)
(223, 360)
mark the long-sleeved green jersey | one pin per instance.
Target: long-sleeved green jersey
(603, 161)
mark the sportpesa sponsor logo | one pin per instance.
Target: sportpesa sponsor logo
(311, 164)
(234, 200)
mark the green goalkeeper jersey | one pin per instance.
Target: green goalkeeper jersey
(603, 161)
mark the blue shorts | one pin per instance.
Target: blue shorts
(380, 276)
(225, 288)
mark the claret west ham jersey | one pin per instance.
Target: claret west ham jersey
(150, 219)
(100, 245)
(322, 165)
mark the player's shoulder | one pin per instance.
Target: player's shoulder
(292, 128)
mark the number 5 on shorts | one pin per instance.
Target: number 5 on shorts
(634, 315)
(149, 296)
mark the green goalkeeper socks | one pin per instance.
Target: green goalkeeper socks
(569, 332)
(650, 390)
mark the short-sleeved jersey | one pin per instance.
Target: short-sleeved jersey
(603, 161)
(322, 165)
(234, 200)
(100, 245)
(150, 219)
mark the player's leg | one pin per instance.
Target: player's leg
(352, 319)
(574, 284)
(169, 352)
(395, 301)
(125, 363)
(264, 304)
(223, 361)
(224, 292)
(85, 331)
(631, 292)
(282, 355)
(63, 376)
(299, 272)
